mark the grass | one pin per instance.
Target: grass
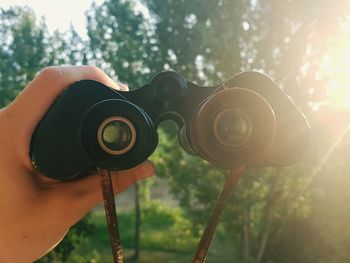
(148, 256)
(162, 228)
(166, 236)
(158, 242)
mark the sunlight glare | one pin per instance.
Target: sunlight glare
(335, 68)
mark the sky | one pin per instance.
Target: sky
(58, 13)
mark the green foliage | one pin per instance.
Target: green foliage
(172, 229)
(195, 183)
(123, 39)
(26, 48)
(22, 50)
(76, 237)
(163, 228)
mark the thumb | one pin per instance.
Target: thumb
(83, 194)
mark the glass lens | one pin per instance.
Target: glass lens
(232, 128)
(117, 135)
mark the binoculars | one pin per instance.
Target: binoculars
(247, 119)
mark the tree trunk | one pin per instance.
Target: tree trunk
(137, 220)
(246, 234)
(267, 216)
(263, 243)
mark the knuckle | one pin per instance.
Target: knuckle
(55, 73)
(52, 73)
(94, 70)
(48, 72)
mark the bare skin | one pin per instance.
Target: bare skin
(36, 212)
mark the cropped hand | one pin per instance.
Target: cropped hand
(36, 212)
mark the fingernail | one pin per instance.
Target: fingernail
(122, 86)
(114, 85)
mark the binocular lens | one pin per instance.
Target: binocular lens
(110, 135)
(232, 128)
(116, 135)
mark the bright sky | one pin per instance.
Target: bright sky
(59, 13)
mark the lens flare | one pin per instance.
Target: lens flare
(334, 68)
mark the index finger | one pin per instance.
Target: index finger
(32, 103)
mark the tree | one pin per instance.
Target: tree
(22, 50)
(121, 41)
(26, 48)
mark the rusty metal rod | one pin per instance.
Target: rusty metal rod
(111, 214)
(209, 231)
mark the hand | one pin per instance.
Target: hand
(36, 212)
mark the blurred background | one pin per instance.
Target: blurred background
(290, 215)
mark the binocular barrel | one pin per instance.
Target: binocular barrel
(247, 119)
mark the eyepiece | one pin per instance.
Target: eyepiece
(233, 126)
(116, 135)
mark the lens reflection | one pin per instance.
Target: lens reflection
(232, 128)
(116, 135)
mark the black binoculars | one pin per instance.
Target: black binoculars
(247, 119)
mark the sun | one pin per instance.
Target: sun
(335, 68)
